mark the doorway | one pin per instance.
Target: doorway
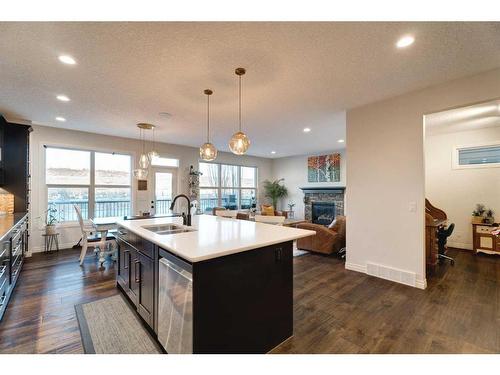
(164, 189)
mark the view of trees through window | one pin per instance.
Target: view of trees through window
(230, 186)
(68, 176)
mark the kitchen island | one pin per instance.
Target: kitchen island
(219, 286)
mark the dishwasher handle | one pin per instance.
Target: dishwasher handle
(179, 270)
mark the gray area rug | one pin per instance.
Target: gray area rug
(110, 326)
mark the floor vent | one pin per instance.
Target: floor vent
(393, 274)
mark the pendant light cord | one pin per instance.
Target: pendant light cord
(208, 118)
(240, 103)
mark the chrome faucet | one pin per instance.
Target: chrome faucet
(186, 219)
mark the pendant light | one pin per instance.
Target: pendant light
(208, 151)
(239, 142)
(144, 160)
(153, 153)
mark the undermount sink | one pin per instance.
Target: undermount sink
(167, 229)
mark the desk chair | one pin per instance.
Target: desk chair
(443, 235)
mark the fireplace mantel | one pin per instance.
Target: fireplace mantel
(323, 189)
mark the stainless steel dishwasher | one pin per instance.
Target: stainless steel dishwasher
(175, 304)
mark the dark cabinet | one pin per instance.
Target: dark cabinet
(124, 260)
(243, 303)
(144, 277)
(12, 248)
(136, 272)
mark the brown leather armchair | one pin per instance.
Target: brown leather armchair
(326, 241)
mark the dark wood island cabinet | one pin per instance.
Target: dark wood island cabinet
(237, 303)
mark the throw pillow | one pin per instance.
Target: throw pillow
(332, 224)
(268, 210)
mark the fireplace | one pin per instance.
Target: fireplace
(332, 196)
(323, 212)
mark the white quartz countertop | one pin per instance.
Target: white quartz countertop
(214, 236)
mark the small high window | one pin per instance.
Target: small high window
(160, 161)
(485, 156)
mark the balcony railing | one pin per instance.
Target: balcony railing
(109, 208)
(116, 208)
(206, 204)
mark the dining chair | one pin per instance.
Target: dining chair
(215, 209)
(100, 241)
(227, 213)
(243, 216)
(275, 220)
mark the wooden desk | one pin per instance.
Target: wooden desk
(431, 239)
(483, 240)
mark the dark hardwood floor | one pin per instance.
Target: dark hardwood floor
(335, 310)
(41, 316)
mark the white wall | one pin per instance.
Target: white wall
(456, 191)
(187, 156)
(294, 170)
(386, 174)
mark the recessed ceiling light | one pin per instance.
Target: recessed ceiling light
(405, 41)
(63, 98)
(340, 141)
(66, 59)
(165, 114)
(307, 130)
(61, 119)
(273, 152)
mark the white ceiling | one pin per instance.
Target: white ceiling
(298, 75)
(474, 117)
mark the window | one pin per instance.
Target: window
(230, 186)
(159, 161)
(98, 183)
(477, 156)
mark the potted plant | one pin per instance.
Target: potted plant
(291, 205)
(275, 190)
(478, 214)
(489, 216)
(50, 220)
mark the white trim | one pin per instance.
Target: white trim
(455, 158)
(419, 283)
(43, 192)
(355, 267)
(41, 249)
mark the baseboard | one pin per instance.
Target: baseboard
(40, 249)
(355, 267)
(388, 273)
(460, 245)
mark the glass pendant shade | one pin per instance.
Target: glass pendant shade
(208, 152)
(239, 143)
(153, 154)
(140, 174)
(144, 161)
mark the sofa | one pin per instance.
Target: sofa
(326, 240)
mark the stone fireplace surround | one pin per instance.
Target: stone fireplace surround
(323, 194)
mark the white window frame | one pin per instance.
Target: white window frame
(92, 186)
(456, 159)
(219, 186)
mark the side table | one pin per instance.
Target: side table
(50, 240)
